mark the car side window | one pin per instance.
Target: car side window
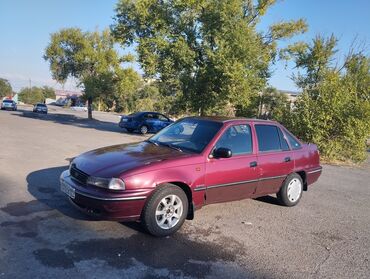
(237, 138)
(283, 142)
(292, 141)
(268, 138)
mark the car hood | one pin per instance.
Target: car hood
(114, 160)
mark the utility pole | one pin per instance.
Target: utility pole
(30, 84)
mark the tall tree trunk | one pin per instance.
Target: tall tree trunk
(89, 108)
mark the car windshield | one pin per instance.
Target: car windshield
(41, 105)
(7, 101)
(189, 134)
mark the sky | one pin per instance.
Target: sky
(25, 28)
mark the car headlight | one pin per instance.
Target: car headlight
(116, 184)
(112, 184)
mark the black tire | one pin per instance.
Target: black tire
(149, 218)
(143, 129)
(283, 195)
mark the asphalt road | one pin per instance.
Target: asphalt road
(41, 236)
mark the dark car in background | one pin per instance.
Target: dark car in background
(8, 105)
(144, 122)
(40, 107)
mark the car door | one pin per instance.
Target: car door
(275, 159)
(149, 121)
(232, 178)
(164, 121)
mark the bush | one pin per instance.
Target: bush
(334, 117)
(334, 109)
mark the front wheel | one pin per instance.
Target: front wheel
(165, 211)
(143, 129)
(290, 192)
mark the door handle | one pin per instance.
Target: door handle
(287, 159)
(253, 164)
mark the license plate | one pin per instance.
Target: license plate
(67, 189)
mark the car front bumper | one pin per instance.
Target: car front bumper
(104, 204)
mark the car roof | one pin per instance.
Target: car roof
(225, 119)
(151, 112)
(41, 104)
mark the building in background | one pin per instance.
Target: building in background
(63, 97)
(292, 95)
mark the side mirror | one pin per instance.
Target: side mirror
(222, 152)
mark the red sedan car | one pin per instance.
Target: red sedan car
(191, 163)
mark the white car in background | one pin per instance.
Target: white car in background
(8, 105)
(79, 108)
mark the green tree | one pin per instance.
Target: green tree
(48, 92)
(208, 53)
(31, 96)
(89, 57)
(5, 88)
(272, 104)
(334, 109)
(36, 94)
(128, 84)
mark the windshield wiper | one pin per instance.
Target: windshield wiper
(171, 146)
(152, 142)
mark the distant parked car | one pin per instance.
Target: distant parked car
(8, 104)
(194, 162)
(144, 122)
(40, 107)
(79, 108)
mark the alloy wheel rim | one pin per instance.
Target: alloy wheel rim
(144, 129)
(294, 190)
(169, 212)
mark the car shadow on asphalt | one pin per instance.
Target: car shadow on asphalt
(268, 199)
(44, 186)
(73, 120)
(178, 255)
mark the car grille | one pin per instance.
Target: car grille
(78, 175)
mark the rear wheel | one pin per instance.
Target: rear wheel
(143, 129)
(165, 211)
(290, 192)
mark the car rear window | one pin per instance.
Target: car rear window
(268, 138)
(7, 101)
(162, 117)
(41, 105)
